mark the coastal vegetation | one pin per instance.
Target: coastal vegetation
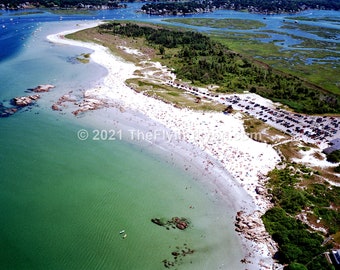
(300, 60)
(337, 169)
(334, 156)
(301, 200)
(84, 58)
(324, 32)
(202, 60)
(236, 24)
(302, 18)
(27, 13)
(70, 11)
(296, 244)
(269, 135)
(172, 95)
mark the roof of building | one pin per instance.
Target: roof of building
(335, 146)
(336, 254)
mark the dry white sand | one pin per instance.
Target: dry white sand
(221, 136)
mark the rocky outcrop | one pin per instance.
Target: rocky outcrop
(61, 103)
(5, 112)
(43, 88)
(180, 223)
(88, 105)
(178, 256)
(175, 222)
(55, 107)
(80, 101)
(18, 103)
(25, 101)
(179, 253)
(252, 228)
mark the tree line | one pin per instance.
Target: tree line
(260, 6)
(202, 60)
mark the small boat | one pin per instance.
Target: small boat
(124, 236)
(122, 231)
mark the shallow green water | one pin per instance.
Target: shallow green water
(64, 201)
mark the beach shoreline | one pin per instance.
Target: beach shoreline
(214, 142)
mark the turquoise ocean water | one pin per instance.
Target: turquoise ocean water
(64, 201)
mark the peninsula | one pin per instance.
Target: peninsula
(282, 176)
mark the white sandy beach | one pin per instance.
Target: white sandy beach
(220, 136)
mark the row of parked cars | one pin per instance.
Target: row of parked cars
(314, 127)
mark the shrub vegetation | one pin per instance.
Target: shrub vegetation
(293, 195)
(334, 157)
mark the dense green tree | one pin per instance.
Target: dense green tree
(337, 169)
(296, 244)
(334, 156)
(296, 266)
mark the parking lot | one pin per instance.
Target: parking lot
(315, 129)
(312, 129)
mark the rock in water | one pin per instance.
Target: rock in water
(24, 101)
(55, 107)
(43, 88)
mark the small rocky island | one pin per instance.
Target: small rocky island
(42, 88)
(24, 101)
(175, 222)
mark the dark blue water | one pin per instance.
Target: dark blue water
(16, 28)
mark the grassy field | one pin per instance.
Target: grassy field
(301, 18)
(236, 24)
(70, 11)
(172, 95)
(28, 13)
(323, 32)
(296, 61)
